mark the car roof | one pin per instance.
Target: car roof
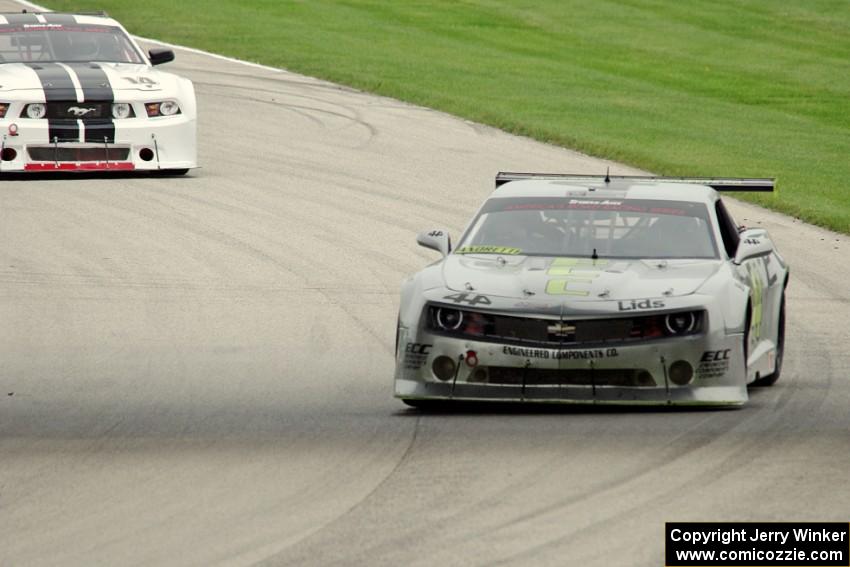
(94, 18)
(618, 189)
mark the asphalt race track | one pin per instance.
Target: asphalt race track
(197, 371)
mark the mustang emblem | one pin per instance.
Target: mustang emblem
(78, 111)
(561, 329)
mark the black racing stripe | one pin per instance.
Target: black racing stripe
(95, 83)
(96, 88)
(21, 18)
(100, 130)
(55, 81)
(63, 130)
(59, 18)
(58, 87)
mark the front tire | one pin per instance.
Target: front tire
(771, 379)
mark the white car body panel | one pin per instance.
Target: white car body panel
(136, 143)
(607, 291)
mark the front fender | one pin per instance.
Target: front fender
(730, 298)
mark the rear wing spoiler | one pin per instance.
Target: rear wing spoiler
(716, 183)
(98, 13)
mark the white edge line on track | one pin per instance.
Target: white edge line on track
(39, 8)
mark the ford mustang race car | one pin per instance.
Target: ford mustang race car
(78, 94)
(596, 289)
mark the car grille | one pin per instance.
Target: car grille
(554, 333)
(79, 110)
(65, 154)
(569, 377)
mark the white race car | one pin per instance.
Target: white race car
(78, 94)
(584, 289)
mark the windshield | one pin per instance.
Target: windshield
(605, 228)
(44, 43)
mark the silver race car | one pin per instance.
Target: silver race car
(596, 289)
(78, 94)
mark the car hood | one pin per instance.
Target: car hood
(575, 279)
(122, 77)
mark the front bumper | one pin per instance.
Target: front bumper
(637, 374)
(139, 144)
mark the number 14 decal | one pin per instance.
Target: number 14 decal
(141, 81)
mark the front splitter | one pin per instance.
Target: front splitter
(614, 395)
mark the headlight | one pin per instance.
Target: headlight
(449, 319)
(122, 110)
(680, 323)
(457, 321)
(36, 110)
(168, 108)
(164, 108)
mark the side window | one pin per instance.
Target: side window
(728, 229)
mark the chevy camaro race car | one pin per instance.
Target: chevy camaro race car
(78, 94)
(592, 289)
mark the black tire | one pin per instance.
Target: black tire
(771, 379)
(747, 339)
(170, 172)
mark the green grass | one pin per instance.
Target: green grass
(703, 87)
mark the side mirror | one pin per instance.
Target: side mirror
(160, 56)
(754, 243)
(438, 240)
